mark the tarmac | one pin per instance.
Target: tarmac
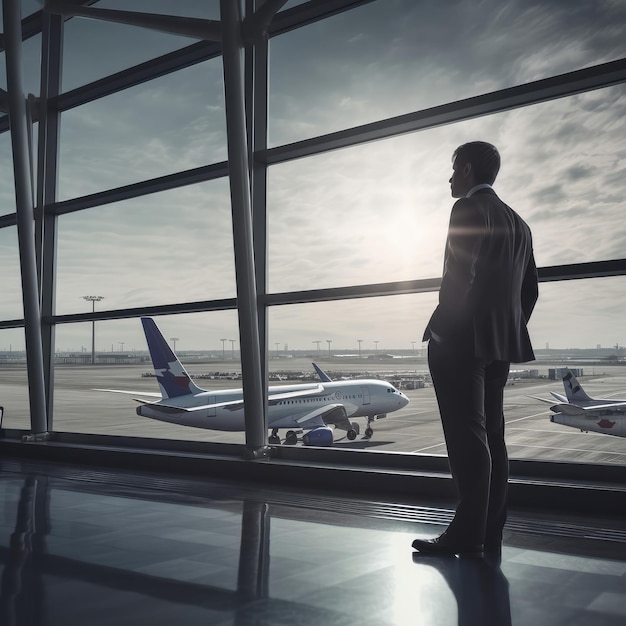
(79, 408)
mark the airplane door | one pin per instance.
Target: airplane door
(365, 392)
(211, 400)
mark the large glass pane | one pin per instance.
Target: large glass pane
(207, 345)
(165, 248)
(11, 304)
(14, 379)
(31, 63)
(391, 57)
(96, 48)
(379, 212)
(575, 324)
(167, 125)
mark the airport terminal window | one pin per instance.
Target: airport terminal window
(164, 248)
(93, 49)
(383, 210)
(388, 58)
(122, 362)
(134, 135)
(11, 304)
(369, 213)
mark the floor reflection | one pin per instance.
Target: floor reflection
(479, 586)
(109, 548)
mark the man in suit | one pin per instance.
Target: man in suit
(488, 291)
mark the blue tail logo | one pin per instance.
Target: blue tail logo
(171, 375)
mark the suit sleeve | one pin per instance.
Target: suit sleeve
(530, 288)
(466, 235)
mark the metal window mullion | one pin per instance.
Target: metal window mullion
(253, 388)
(25, 216)
(256, 115)
(48, 150)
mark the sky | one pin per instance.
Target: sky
(367, 214)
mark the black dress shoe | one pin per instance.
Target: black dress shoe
(444, 546)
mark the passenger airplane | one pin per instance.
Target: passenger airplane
(313, 407)
(578, 410)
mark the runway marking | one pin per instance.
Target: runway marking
(519, 419)
(437, 445)
(526, 445)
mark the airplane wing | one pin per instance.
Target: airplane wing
(150, 394)
(233, 404)
(542, 399)
(574, 409)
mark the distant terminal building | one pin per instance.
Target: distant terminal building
(519, 374)
(556, 373)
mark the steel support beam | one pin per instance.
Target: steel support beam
(184, 26)
(256, 65)
(25, 215)
(46, 220)
(254, 393)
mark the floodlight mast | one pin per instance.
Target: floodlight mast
(93, 300)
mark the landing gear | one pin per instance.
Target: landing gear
(369, 431)
(274, 438)
(353, 431)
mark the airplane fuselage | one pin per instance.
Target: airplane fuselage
(358, 398)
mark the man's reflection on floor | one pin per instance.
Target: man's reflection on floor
(21, 587)
(479, 586)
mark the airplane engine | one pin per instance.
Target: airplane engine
(321, 436)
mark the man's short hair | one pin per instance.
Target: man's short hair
(484, 158)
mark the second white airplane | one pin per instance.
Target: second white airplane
(578, 410)
(314, 407)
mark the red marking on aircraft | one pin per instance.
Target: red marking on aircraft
(604, 423)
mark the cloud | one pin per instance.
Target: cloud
(371, 213)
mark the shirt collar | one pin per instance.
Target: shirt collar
(476, 188)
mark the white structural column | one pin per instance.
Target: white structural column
(25, 214)
(253, 384)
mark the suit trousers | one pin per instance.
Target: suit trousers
(470, 394)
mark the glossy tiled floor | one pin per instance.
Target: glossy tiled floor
(92, 547)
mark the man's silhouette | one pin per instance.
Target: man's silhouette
(488, 291)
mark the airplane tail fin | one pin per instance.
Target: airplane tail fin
(171, 375)
(573, 390)
(323, 376)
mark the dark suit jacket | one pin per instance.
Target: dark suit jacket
(489, 284)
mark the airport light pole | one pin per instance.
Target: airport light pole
(318, 348)
(223, 353)
(376, 346)
(413, 344)
(359, 341)
(232, 348)
(329, 341)
(93, 300)
(174, 340)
